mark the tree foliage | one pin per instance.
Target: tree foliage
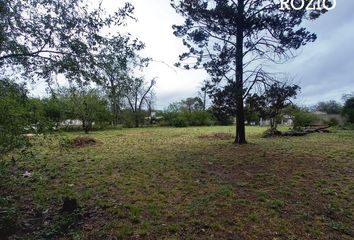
(276, 97)
(187, 112)
(191, 104)
(46, 36)
(117, 61)
(13, 104)
(348, 109)
(85, 104)
(330, 107)
(137, 95)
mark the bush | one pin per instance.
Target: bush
(304, 119)
(333, 122)
(199, 118)
(132, 119)
(185, 119)
(13, 118)
(180, 121)
(221, 118)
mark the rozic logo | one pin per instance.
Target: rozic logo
(307, 4)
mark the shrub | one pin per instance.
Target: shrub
(180, 121)
(133, 119)
(184, 119)
(221, 118)
(304, 119)
(333, 122)
(13, 120)
(199, 118)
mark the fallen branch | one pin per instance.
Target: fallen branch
(322, 129)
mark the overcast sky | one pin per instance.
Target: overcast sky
(323, 69)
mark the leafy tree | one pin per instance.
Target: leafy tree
(46, 36)
(174, 107)
(86, 104)
(187, 112)
(35, 115)
(191, 104)
(231, 39)
(116, 60)
(303, 118)
(348, 109)
(13, 101)
(275, 98)
(251, 114)
(54, 110)
(330, 107)
(136, 95)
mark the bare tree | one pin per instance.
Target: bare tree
(137, 94)
(116, 60)
(150, 102)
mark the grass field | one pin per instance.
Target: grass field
(169, 183)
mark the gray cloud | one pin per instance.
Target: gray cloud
(325, 68)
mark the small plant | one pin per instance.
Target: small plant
(61, 225)
(276, 204)
(65, 142)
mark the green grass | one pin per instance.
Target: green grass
(173, 183)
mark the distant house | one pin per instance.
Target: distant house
(286, 120)
(71, 122)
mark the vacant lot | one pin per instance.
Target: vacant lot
(189, 183)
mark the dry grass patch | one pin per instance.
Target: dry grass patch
(217, 135)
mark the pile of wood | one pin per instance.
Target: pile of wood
(302, 132)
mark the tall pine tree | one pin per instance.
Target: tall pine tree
(232, 39)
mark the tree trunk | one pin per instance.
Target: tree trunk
(137, 119)
(204, 100)
(114, 113)
(85, 126)
(240, 115)
(115, 104)
(272, 123)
